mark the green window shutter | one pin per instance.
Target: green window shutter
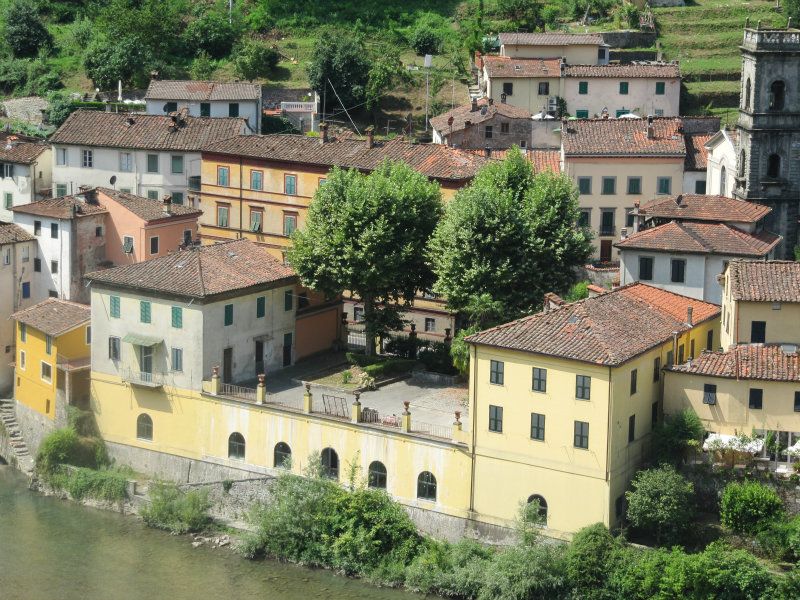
(288, 301)
(177, 164)
(228, 315)
(261, 307)
(660, 88)
(623, 87)
(115, 302)
(144, 311)
(177, 317)
(152, 163)
(582, 114)
(583, 87)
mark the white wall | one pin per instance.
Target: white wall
(721, 155)
(641, 98)
(248, 109)
(690, 179)
(694, 285)
(49, 249)
(23, 186)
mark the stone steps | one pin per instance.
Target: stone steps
(15, 438)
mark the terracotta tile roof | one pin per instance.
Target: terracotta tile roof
(144, 132)
(20, 150)
(701, 207)
(623, 137)
(608, 329)
(701, 238)
(542, 159)
(146, 208)
(63, 207)
(747, 361)
(54, 316)
(765, 281)
(202, 90)
(505, 67)
(485, 112)
(201, 272)
(433, 160)
(696, 151)
(11, 233)
(551, 39)
(654, 70)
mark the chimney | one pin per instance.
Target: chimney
(689, 316)
(679, 201)
(129, 121)
(370, 131)
(650, 130)
(323, 133)
(91, 196)
(166, 205)
(487, 152)
(491, 101)
(474, 107)
(467, 123)
(623, 233)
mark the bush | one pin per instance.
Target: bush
(437, 358)
(175, 510)
(588, 558)
(679, 433)
(780, 540)
(362, 360)
(25, 32)
(211, 33)
(452, 570)
(578, 291)
(66, 447)
(80, 482)
(661, 503)
(749, 506)
(254, 59)
(426, 40)
(523, 572)
(392, 366)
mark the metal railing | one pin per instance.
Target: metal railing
(335, 406)
(237, 391)
(298, 106)
(440, 431)
(372, 416)
(143, 377)
(607, 230)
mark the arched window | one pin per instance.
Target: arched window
(282, 455)
(144, 427)
(742, 158)
(426, 486)
(747, 90)
(542, 506)
(777, 95)
(377, 475)
(330, 463)
(774, 166)
(236, 446)
(723, 182)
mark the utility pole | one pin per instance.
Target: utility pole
(428, 59)
(387, 126)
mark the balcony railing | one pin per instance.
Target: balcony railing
(238, 391)
(299, 106)
(607, 230)
(143, 378)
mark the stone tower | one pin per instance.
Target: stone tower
(768, 164)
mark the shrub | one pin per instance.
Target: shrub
(676, 435)
(25, 32)
(387, 368)
(637, 573)
(212, 33)
(746, 507)
(175, 510)
(452, 570)
(202, 66)
(362, 360)
(661, 503)
(588, 558)
(254, 59)
(426, 40)
(523, 572)
(347, 376)
(105, 484)
(578, 291)
(66, 447)
(437, 358)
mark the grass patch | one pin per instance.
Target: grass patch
(176, 510)
(106, 484)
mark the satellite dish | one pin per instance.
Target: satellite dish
(113, 180)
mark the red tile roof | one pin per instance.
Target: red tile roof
(11, 233)
(701, 238)
(773, 362)
(54, 316)
(485, 112)
(202, 272)
(653, 70)
(506, 67)
(623, 137)
(19, 149)
(608, 329)
(63, 207)
(147, 208)
(700, 207)
(542, 159)
(551, 39)
(202, 90)
(765, 281)
(144, 132)
(696, 151)
(433, 160)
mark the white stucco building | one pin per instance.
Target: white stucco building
(146, 155)
(722, 165)
(207, 99)
(25, 172)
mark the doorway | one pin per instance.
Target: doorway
(227, 365)
(259, 357)
(287, 349)
(605, 251)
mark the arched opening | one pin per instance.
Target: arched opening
(236, 446)
(774, 166)
(747, 90)
(542, 511)
(723, 182)
(426, 486)
(330, 463)
(741, 163)
(777, 95)
(282, 456)
(376, 475)
(144, 427)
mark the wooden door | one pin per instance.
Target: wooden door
(227, 365)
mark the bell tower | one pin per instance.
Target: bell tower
(768, 161)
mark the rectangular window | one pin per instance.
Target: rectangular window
(584, 218)
(177, 317)
(114, 301)
(634, 382)
(152, 194)
(487, 132)
(233, 109)
(47, 372)
(26, 289)
(607, 222)
(583, 387)
(623, 88)
(228, 315)
(22, 360)
(583, 87)
(645, 268)
(496, 418)
(756, 398)
(37, 228)
(87, 160)
(582, 113)
(664, 185)
(657, 368)
(125, 162)
(261, 307)
(609, 185)
(289, 223)
(504, 128)
(678, 270)
(653, 415)
(127, 244)
(358, 314)
(177, 198)
(26, 253)
(537, 427)
(710, 340)
(508, 88)
(98, 231)
(290, 185)
(681, 354)
(691, 349)
(496, 372)
(256, 219)
(222, 215)
(8, 171)
(144, 311)
(171, 107)
(23, 332)
(539, 379)
(256, 180)
(585, 185)
(152, 163)
(544, 88)
(288, 300)
(113, 348)
(581, 434)
(54, 230)
(709, 393)
(154, 245)
(223, 176)
(61, 189)
(61, 156)
(661, 88)
(700, 187)
(629, 218)
(758, 332)
(205, 109)
(797, 402)
(8, 200)
(176, 164)
(634, 185)
(177, 360)
(631, 428)
(430, 324)
(54, 267)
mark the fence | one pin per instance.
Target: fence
(440, 431)
(356, 338)
(335, 406)
(237, 391)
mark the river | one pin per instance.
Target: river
(50, 548)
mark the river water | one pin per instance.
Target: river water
(54, 549)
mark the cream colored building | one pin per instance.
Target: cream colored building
(722, 163)
(579, 49)
(25, 172)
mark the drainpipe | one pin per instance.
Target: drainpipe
(473, 417)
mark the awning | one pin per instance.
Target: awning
(723, 441)
(138, 339)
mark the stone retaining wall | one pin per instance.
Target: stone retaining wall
(33, 425)
(629, 39)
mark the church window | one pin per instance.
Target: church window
(777, 94)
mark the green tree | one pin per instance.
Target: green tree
(59, 107)
(661, 503)
(25, 32)
(589, 559)
(156, 26)
(792, 9)
(211, 32)
(679, 433)
(385, 73)
(202, 67)
(254, 59)
(425, 39)
(125, 60)
(749, 506)
(510, 235)
(339, 62)
(525, 14)
(367, 234)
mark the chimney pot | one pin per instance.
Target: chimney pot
(623, 233)
(323, 133)
(487, 151)
(370, 131)
(166, 206)
(679, 199)
(689, 311)
(651, 134)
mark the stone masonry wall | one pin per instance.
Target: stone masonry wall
(35, 426)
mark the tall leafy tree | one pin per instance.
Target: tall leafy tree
(340, 63)
(25, 32)
(509, 237)
(525, 14)
(367, 234)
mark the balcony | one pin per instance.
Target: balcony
(608, 230)
(143, 378)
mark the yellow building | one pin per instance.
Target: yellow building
(562, 402)
(52, 364)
